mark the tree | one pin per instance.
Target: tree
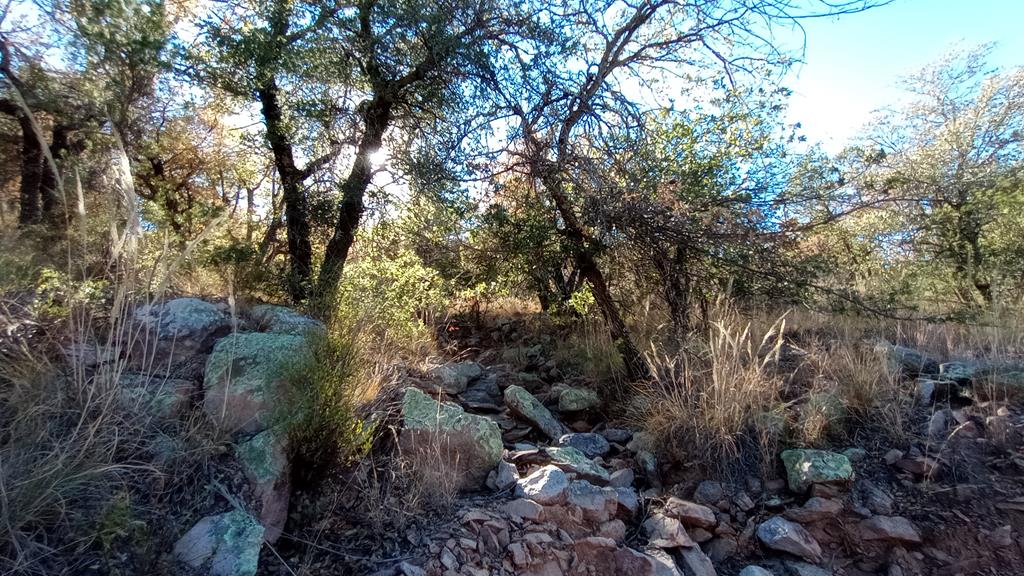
(952, 160)
(565, 105)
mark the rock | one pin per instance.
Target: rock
(938, 424)
(507, 475)
(666, 532)
(889, 528)
(547, 485)
(522, 509)
(721, 549)
(755, 571)
(590, 444)
(855, 454)
(1002, 537)
(572, 460)
(443, 434)
(925, 391)
(613, 529)
(807, 467)
(911, 362)
(892, 456)
(961, 372)
(453, 378)
(265, 463)
(743, 501)
(525, 406)
(407, 569)
(190, 325)
(815, 510)
(161, 397)
(641, 441)
(245, 377)
(648, 464)
(805, 569)
(617, 435)
(696, 562)
(621, 478)
(690, 513)
(919, 465)
(484, 391)
(575, 399)
(597, 504)
(780, 534)
(227, 544)
(602, 557)
(283, 320)
(877, 500)
(709, 492)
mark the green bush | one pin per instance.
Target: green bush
(319, 411)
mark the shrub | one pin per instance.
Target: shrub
(320, 407)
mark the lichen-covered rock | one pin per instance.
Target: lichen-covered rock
(284, 320)
(805, 467)
(575, 399)
(178, 329)
(467, 445)
(453, 378)
(161, 397)
(227, 544)
(574, 461)
(525, 406)
(907, 360)
(780, 534)
(265, 462)
(245, 377)
(961, 371)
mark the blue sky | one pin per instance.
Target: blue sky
(852, 63)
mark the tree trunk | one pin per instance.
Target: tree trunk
(376, 120)
(53, 203)
(296, 210)
(31, 172)
(675, 279)
(636, 367)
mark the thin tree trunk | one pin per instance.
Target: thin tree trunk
(53, 204)
(31, 172)
(376, 120)
(296, 210)
(636, 367)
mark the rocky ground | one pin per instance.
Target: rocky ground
(542, 484)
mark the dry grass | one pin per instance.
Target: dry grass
(717, 401)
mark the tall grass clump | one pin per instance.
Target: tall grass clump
(716, 401)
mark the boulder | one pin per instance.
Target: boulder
(962, 372)
(265, 462)
(907, 360)
(443, 434)
(506, 475)
(547, 485)
(592, 445)
(780, 534)
(597, 556)
(709, 492)
(227, 544)
(617, 435)
(889, 528)
(755, 571)
(525, 406)
(807, 467)
(597, 504)
(691, 513)
(575, 399)
(245, 376)
(574, 461)
(454, 378)
(191, 322)
(284, 320)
